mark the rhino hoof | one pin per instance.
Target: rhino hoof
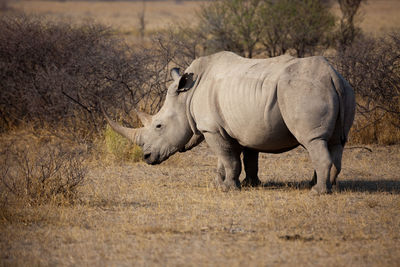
(335, 188)
(230, 186)
(217, 183)
(247, 182)
(319, 190)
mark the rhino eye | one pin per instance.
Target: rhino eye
(158, 126)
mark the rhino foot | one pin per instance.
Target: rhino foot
(230, 185)
(248, 182)
(313, 180)
(320, 190)
(335, 187)
(217, 182)
(226, 185)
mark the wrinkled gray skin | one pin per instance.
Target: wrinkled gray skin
(248, 106)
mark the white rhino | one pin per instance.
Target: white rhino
(252, 105)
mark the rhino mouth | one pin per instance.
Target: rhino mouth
(155, 159)
(155, 162)
(151, 159)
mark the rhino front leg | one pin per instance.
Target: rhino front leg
(194, 141)
(220, 177)
(250, 162)
(314, 179)
(229, 164)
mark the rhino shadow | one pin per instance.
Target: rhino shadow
(354, 185)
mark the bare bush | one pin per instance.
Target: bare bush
(178, 45)
(372, 66)
(40, 173)
(52, 74)
(175, 46)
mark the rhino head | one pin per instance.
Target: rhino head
(169, 130)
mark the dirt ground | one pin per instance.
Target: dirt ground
(167, 215)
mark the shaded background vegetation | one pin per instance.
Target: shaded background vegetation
(53, 73)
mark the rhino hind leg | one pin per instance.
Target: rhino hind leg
(336, 152)
(322, 161)
(250, 162)
(229, 164)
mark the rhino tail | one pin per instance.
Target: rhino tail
(340, 85)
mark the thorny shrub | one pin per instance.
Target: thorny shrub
(38, 172)
(53, 74)
(372, 66)
(179, 45)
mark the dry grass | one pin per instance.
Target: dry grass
(167, 215)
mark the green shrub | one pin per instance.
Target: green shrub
(303, 26)
(250, 27)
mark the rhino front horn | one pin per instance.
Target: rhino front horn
(130, 133)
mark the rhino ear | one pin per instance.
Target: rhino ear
(175, 74)
(185, 83)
